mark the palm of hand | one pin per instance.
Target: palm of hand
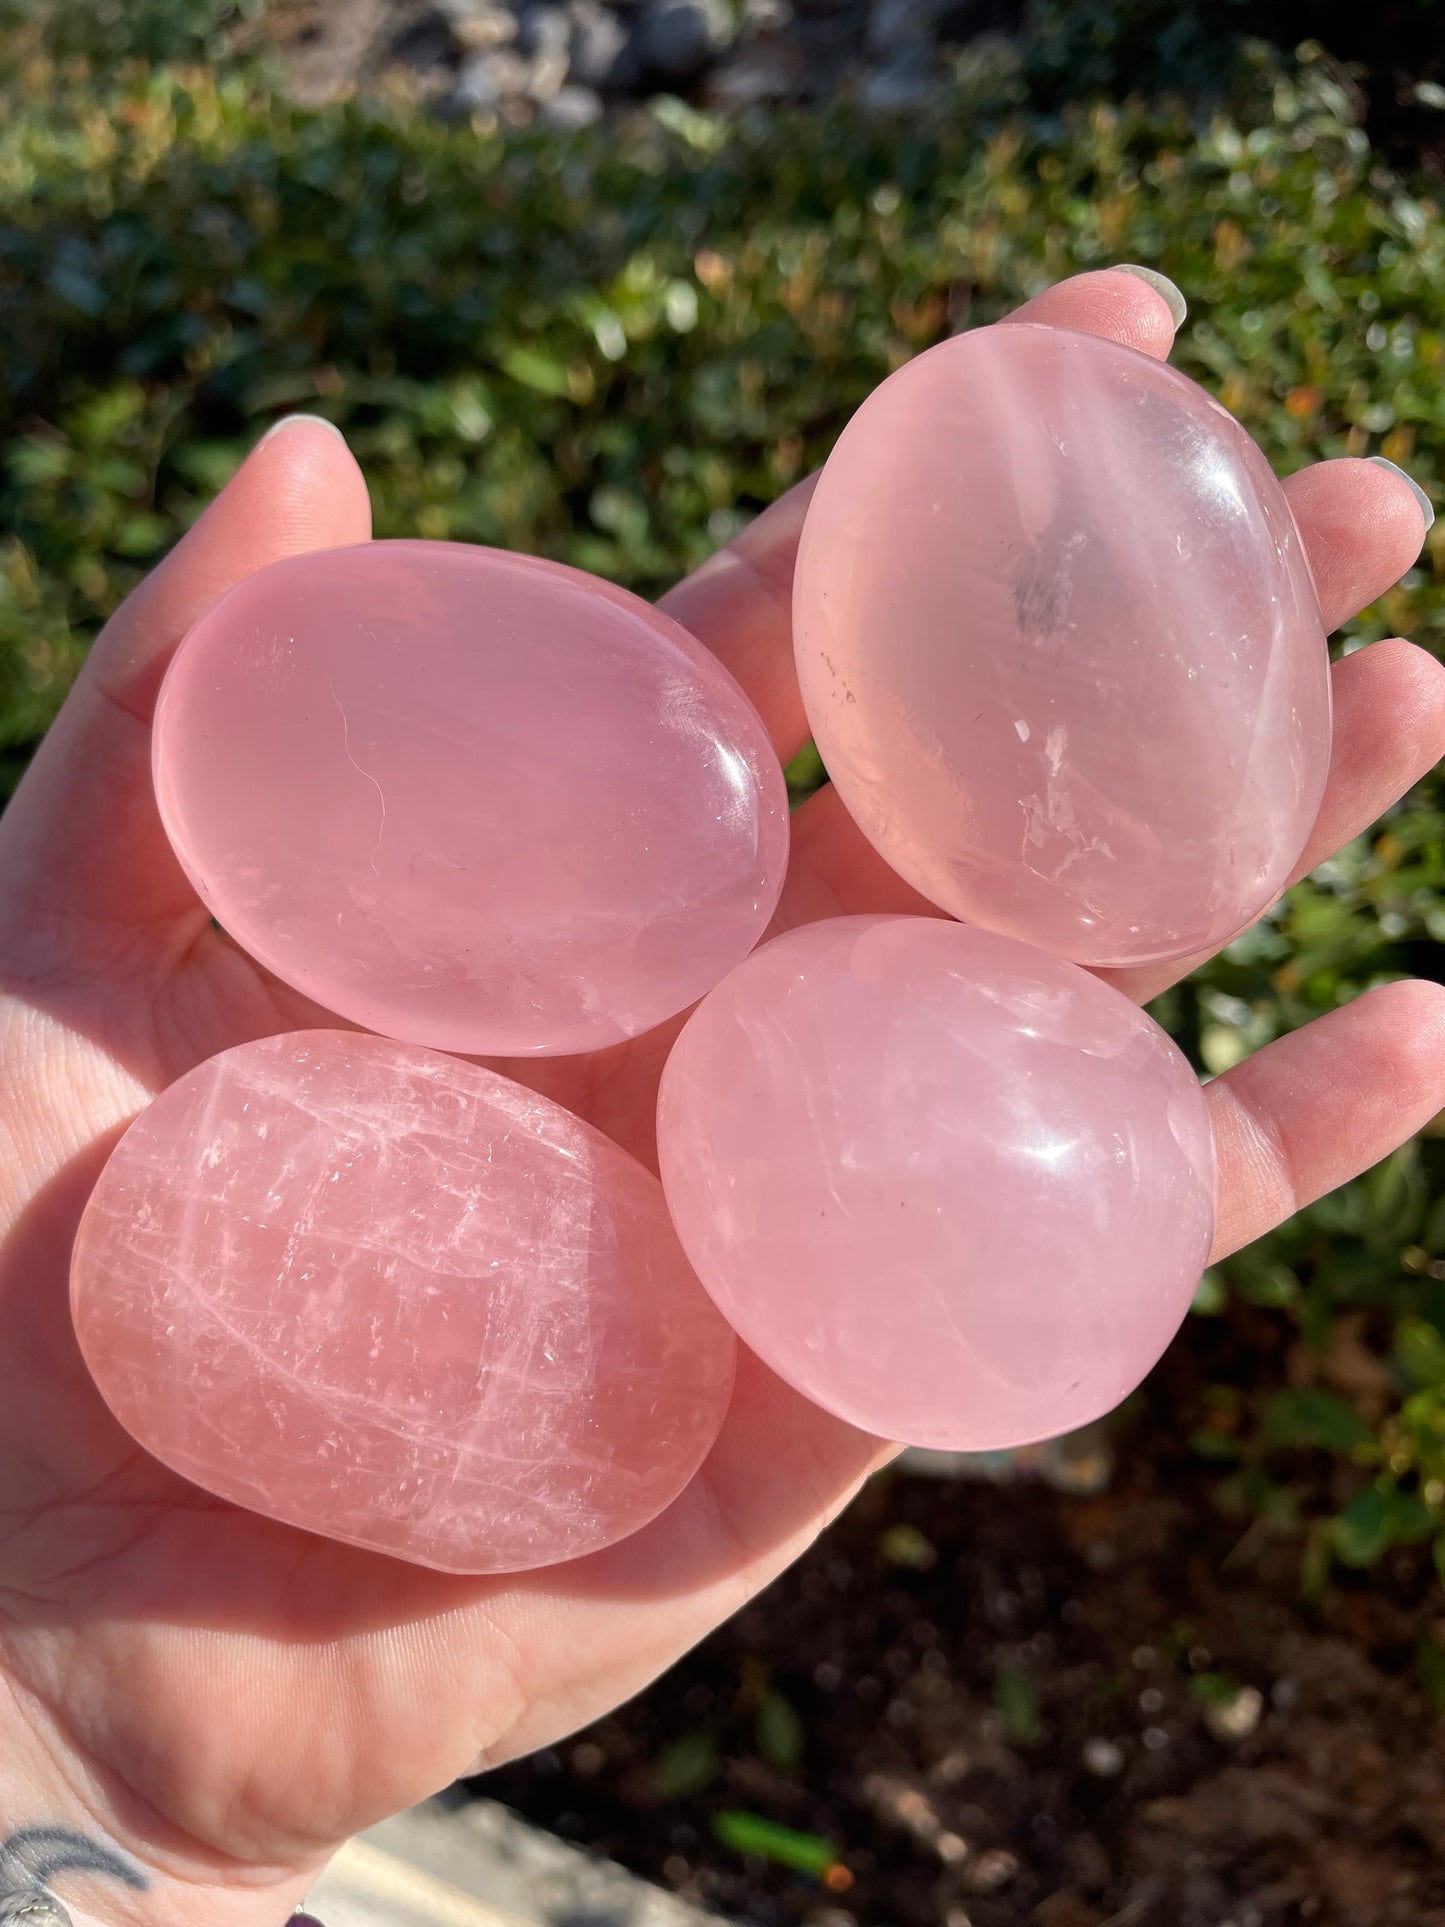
(250, 1694)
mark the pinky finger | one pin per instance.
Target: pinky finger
(1323, 1104)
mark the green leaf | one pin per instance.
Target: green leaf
(1311, 1417)
(140, 535)
(1212, 1294)
(905, 1545)
(685, 1767)
(1214, 1689)
(750, 1833)
(1315, 1559)
(1017, 1700)
(535, 370)
(1421, 1352)
(1430, 1667)
(804, 774)
(1389, 1188)
(1378, 1517)
(705, 132)
(781, 1737)
(1264, 1281)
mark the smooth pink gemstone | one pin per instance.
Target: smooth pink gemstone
(1060, 646)
(955, 1190)
(469, 799)
(399, 1301)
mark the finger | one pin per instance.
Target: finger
(740, 602)
(83, 857)
(834, 871)
(1362, 526)
(739, 605)
(1389, 733)
(1127, 305)
(1323, 1104)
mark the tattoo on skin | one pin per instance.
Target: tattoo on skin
(34, 1856)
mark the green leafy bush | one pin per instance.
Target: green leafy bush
(105, 32)
(615, 347)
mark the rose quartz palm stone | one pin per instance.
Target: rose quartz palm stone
(1060, 648)
(399, 1301)
(956, 1190)
(469, 799)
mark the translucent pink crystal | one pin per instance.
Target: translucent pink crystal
(469, 799)
(1060, 647)
(956, 1190)
(400, 1301)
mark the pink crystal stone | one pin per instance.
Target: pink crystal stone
(1060, 647)
(399, 1301)
(469, 799)
(955, 1190)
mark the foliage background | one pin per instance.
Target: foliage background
(614, 347)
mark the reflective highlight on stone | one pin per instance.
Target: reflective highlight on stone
(1060, 646)
(955, 1190)
(399, 1301)
(469, 799)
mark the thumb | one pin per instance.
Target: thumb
(86, 873)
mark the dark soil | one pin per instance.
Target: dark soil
(1005, 1705)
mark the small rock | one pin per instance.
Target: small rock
(489, 79)
(678, 40)
(991, 1871)
(479, 25)
(1080, 1463)
(1066, 1908)
(544, 36)
(1237, 1717)
(1103, 1758)
(571, 107)
(543, 30)
(600, 48)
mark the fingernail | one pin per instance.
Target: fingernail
(287, 421)
(1161, 284)
(1427, 507)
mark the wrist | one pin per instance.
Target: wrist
(77, 1849)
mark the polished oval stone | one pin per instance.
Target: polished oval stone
(469, 799)
(399, 1301)
(1060, 647)
(956, 1190)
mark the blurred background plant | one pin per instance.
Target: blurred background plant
(614, 344)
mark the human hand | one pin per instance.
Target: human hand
(224, 1698)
